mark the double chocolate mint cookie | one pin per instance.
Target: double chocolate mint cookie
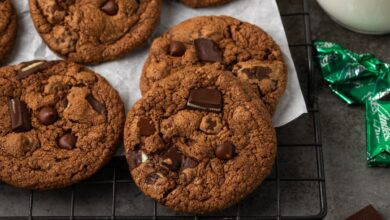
(94, 31)
(203, 3)
(59, 123)
(8, 26)
(239, 47)
(199, 140)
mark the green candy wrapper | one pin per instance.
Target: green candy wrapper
(361, 79)
(353, 77)
(378, 132)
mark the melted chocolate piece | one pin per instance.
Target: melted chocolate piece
(205, 99)
(20, 117)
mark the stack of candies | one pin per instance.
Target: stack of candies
(361, 79)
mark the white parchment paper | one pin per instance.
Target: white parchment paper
(124, 74)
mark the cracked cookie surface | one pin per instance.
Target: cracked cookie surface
(60, 123)
(8, 27)
(203, 3)
(199, 140)
(245, 49)
(93, 31)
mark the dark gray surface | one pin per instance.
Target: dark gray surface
(351, 185)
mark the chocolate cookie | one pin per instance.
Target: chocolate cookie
(94, 31)
(198, 141)
(8, 28)
(241, 47)
(203, 3)
(59, 123)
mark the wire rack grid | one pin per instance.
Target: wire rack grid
(114, 177)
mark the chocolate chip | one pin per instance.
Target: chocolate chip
(67, 141)
(20, 117)
(152, 178)
(110, 7)
(146, 126)
(207, 50)
(258, 72)
(177, 48)
(205, 99)
(225, 151)
(172, 159)
(33, 67)
(188, 162)
(47, 115)
(96, 105)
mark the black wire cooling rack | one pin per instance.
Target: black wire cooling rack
(295, 189)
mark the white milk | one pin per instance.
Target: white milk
(365, 16)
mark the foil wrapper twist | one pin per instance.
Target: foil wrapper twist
(361, 79)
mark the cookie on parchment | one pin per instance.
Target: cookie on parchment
(87, 31)
(59, 124)
(203, 3)
(8, 28)
(243, 48)
(199, 141)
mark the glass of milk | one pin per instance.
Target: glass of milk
(364, 16)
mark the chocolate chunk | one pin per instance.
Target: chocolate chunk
(207, 50)
(134, 159)
(67, 141)
(33, 67)
(205, 99)
(48, 115)
(146, 126)
(188, 162)
(172, 159)
(258, 72)
(20, 117)
(177, 48)
(367, 213)
(152, 178)
(110, 7)
(99, 107)
(225, 151)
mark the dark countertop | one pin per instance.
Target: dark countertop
(350, 184)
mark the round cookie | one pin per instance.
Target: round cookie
(242, 48)
(8, 26)
(198, 141)
(203, 3)
(88, 31)
(59, 124)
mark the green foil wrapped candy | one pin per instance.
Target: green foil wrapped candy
(355, 91)
(353, 77)
(378, 131)
(361, 79)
